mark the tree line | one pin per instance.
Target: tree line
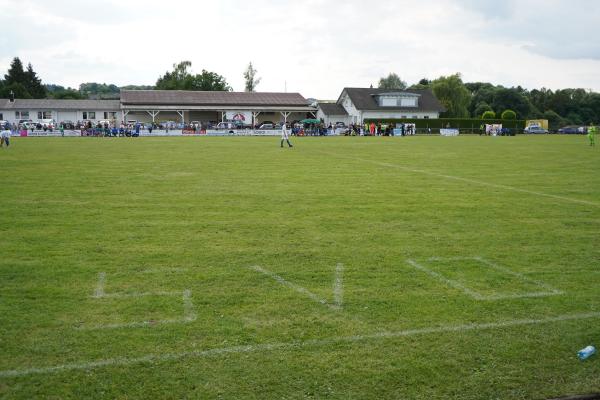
(461, 100)
(25, 84)
(486, 100)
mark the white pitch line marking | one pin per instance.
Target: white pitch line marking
(447, 281)
(141, 324)
(295, 287)
(139, 294)
(473, 181)
(550, 291)
(163, 271)
(284, 346)
(338, 286)
(189, 314)
(99, 292)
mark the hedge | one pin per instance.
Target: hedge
(460, 123)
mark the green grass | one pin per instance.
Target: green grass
(174, 214)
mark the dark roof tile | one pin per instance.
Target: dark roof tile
(332, 109)
(59, 104)
(197, 98)
(363, 99)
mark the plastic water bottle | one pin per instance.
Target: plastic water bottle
(586, 353)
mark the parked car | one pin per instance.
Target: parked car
(46, 123)
(26, 123)
(68, 124)
(535, 129)
(573, 129)
(266, 125)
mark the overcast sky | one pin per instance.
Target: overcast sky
(316, 46)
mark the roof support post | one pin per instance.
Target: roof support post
(153, 114)
(285, 115)
(223, 115)
(181, 114)
(255, 115)
(124, 115)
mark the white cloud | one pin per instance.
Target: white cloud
(316, 46)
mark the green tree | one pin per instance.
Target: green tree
(555, 121)
(210, 81)
(423, 84)
(70, 94)
(137, 87)
(15, 73)
(392, 81)
(33, 83)
(98, 90)
(178, 79)
(18, 89)
(250, 77)
(182, 79)
(488, 115)
(508, 114)
(510, 98)
(481, 108)
(453, 95)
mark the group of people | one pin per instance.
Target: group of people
(104, 129)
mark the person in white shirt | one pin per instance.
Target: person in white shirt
(4, 137)
(285, 135)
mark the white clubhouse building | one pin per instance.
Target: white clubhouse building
(355, 105)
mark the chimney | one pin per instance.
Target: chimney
(12, 96)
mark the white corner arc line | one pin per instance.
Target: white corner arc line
(467, 180)
(293, 286)
(283, 346)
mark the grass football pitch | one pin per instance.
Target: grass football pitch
(343, 268)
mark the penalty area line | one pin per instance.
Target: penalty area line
(283, 346)
(467, 180)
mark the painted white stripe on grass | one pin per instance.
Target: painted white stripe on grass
(99, 292)
(189, 314)
(549, 290)
(473, 181)
(261, 348)
(293, 286)
(139, 294)
(141, 324)
(163, 271)
(338, 286)
(447, 281)
(522, 277)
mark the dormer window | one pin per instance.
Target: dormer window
(400, 99)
